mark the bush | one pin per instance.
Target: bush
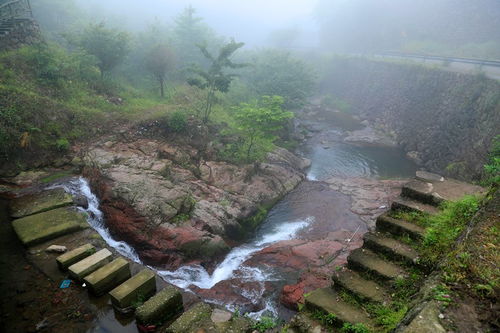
(492, 169)
(177, 122)
(62, 145)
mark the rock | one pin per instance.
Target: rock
(27, 178)
(45, 226)
(220, 316)
(56, 249)
(415, 156)
(81, 200)
(40, 202)
(152, 199)
(426, 321)
(429, 177)
(142, 285)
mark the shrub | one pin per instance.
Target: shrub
(177, 122)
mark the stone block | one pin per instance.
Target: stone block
(161, 307)
(108, 276)
(74, 256)
(90, 264)
(138, 288)
(38, 228)
(40, 202)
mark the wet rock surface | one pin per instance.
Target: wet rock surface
(174, 210)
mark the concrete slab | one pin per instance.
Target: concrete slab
(107, 277)
(160, 308)
(38, 228)
(138, 288)
(40, 202)
(90, 264)
(74, 256)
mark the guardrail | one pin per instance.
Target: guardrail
(481, 62)
(15, 9)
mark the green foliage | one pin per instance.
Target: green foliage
(259, 122)
(109, 46)
(177, 122)
(62, 144)
(215, 79)
(265, 323)
(442, 293)
(492, 169)
(278, 73)
(354, 328)
(444, 228)
(327, 319)
(336, 103)
(387, 317)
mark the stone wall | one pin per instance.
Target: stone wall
(25, 32)
(444, 120)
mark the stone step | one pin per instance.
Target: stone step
(422, 192)
(90, 264)
(107, 277)
(364, 260)
(136, 289)
(328, 301)
(163, 306)
(40, 202)
(410, 205)
(41, 227)
(397, 227)
(361, 288)
(74, 256)
(390, 247)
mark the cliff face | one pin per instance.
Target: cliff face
(444, 120)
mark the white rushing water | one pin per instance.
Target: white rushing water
(231, 266)
(195, 275)
(80, 187)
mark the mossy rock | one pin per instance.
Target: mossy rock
(40, 202)
(44, 226)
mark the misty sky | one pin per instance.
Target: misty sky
(249, 21)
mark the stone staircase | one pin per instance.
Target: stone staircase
(386, 259)
(44, 218)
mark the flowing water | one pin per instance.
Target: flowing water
(305, 213)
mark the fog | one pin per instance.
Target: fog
(251, 21)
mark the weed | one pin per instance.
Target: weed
(265, 323)
(354, 328)
(442, 293)
(327, 319)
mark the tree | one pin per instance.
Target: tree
(109, 46)
(278, 73)
(259, 121)
(215, 79)
(158, 62)
(189, 31)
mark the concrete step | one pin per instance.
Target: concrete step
(363, 260)
(90, 264)
(108, 277)
(74, 256)
(410, 205)
(422, 192)
(328, 301)
(38, 228)
(163, 306)
(139, 287)
(390, 247)
(359, 287)
(397, 227)
(40, 202)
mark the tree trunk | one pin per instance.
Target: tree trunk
(162, 90)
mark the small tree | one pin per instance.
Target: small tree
(158, 63)
(215, 79)
(109, 46)
(259, 121)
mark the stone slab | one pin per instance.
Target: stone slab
(74, 256)
(327, 300)
(107, 277)
(367, 261)
(139, 287)
(38, 228)
(40, 202)
(366, 290)
(429, 177)
(398, 227)
(90, 264)
(160, 308)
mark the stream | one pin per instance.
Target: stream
(251, 276)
